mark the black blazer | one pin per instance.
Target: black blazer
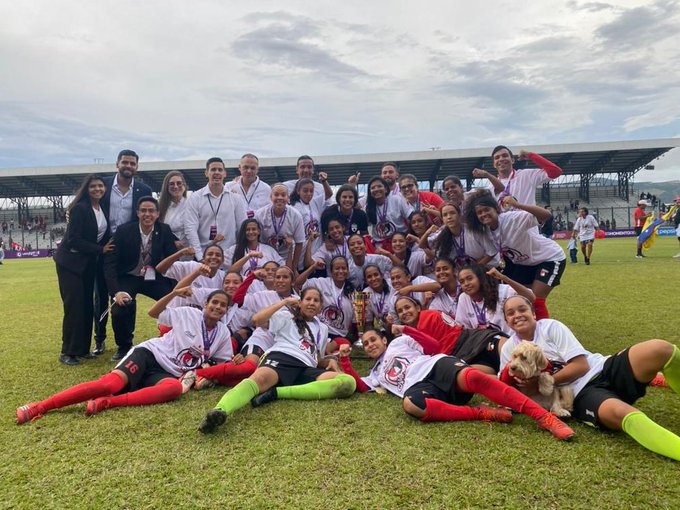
(127, 243)
(79, 245)
(139, 190)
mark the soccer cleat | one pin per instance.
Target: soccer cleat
(203, 383)
(487, 413)
(264, 398)
(212, 420)
(96, 406)
(555, 426)
(29, 412)
(587, 261)
(187, 379)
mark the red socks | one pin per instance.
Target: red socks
(500, 393)
(106, 385)
(438, 410)
(228, 374)
(540, 309)
(165, 391)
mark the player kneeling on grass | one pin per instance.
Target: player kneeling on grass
(291, 369)
(148, 373)
(605, 387)
(435, 387)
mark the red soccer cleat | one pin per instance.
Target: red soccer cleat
(29, 412)
(555, 426)
(498, 414)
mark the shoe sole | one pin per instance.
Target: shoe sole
(212, 420)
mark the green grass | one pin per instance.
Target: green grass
(363, 452)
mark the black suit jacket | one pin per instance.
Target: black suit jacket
(79, 245)
(127, 243)
(139, 190)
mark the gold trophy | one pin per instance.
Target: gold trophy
(359, 300)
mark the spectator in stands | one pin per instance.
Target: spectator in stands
(254, 191)
(304, 169)
(87, 237)
(130, 269)
(521, 184)
(119, 203)
(213, 214)
(607, 225)
(584, 228)
(640, 215)
(613, 223)
(171, 204)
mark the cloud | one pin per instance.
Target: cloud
(590, 6)
(634, 28)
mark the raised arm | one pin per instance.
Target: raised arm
(430, 345)
(302, 277)
(261, 318)
(541, 214)
(168, 261)
(546, 165)
(346, 365)
(162, 303)
(238, 265)
(420, 287)
(498, 186)
(516, 286)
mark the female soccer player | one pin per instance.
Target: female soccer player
(605, 387)
(291, 369)
(247, 243)
(310, 206)
(387, 213)
(446, 299)
(213, 257)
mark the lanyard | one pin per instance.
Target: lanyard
(338, 297)
(344, 249)
(480, 312)
(382, 217)
(230, 314)
(208, 338)
(460, 248)
(245, 195)
(347, 220)
(451, 301)
(253, 260)
(278, 226)
(507, 191)
(381, 304)
(145, 248)
(215, 213)
(499, 243)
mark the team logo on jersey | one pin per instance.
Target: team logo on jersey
(514, 255)
(395, 374)
(385, 229)
(333, 316)
(312, 226)
(448, 320)
(189, 358)
(307, 344)
(277, 242)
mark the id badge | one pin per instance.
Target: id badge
(213, 232)
(149, 273)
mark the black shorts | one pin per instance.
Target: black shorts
(549, 272)
(291, 371)
(615, 381)
(248, 349)
(589, 241)
(479, 347)
(440, 384)
(638, 231)
(142, 369)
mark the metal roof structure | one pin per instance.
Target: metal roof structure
(623, 158)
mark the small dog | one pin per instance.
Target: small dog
(528, 361)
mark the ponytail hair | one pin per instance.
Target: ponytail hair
(299, 320)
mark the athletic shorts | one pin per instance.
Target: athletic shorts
(440, 384)
(549, 273)
(615, 381)
(142, 369)
(479, 347)
(291, 371)
(587, 241)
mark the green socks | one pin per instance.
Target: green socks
(651, 435)
(341, 386)
(671, 370)
(238, 396)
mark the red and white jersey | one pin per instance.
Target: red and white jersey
(391, 216)
(306, 347)
(445, 302)
(401, 366)
(200, 296)
(326, 254)
(275, 230)
(188, 344)
(586, 227)
(258, 194)
(356, 272)
(522, 184)
(518, 239)
(560, 346)
(269, 254)
(311, 220)
(474, 315)
(336, 312)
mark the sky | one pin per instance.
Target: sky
(186, 80)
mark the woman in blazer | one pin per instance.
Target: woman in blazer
(87, 236)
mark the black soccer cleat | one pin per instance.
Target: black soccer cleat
(264, 398)
(212, 420)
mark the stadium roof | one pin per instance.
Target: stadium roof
(582, 158)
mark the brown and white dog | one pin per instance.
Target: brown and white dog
(528, 360)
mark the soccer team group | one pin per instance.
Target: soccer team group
(268, 289)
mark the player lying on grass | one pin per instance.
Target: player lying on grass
(605, 387)
(292, 368)
(148, 373)
(436, 387)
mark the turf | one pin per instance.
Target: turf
(363, 452)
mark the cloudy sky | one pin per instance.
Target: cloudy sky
(191, 79)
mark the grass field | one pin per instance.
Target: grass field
(363, 452)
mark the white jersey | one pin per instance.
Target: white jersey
(522, 184)
(559, 345)
(401, 366)
(419, 296)
(586, 227)
(474, 315)
(418, 265)
(463, 248)
(377, 305)
(306, 347)
(311, 220)
(258, 195)
(275, 230)
(319, 192)
(445, 302)
(518, 239)
(200, 297)
(337, 312)
(269, 254)
(188, 344)
(323, 253)
(179, 270)
(356, 272)
(391, 217)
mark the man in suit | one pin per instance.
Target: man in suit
(130, 269)
(123, 192)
